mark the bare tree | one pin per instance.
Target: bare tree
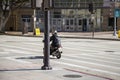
(6, 7)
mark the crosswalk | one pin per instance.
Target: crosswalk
(80, 56)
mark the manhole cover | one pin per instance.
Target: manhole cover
(72, 76)
(110, 51)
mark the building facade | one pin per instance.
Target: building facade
(108, 14)
(19, 19)
(67, 15)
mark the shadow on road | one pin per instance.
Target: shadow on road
(34, 57)
(19, 70)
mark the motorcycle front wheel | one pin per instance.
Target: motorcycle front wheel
(58, 56)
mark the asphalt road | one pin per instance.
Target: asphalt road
(99, 58)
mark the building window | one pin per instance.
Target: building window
(111, 21)
(26, 18)
(67, 22)
(57, 14)
(80, 22)
(71, 22)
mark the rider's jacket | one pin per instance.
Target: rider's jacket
(55, 40)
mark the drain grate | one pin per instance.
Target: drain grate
(72, 76)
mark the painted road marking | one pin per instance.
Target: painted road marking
(86, 68)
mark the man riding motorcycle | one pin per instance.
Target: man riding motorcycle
(55, 40)
(55, 45)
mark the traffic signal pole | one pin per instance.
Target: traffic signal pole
(46, 59)
(91, 10)
(46, 51)
(115, 30)
(33, 5)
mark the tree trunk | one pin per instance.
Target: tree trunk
(1, 21)
(4, 21)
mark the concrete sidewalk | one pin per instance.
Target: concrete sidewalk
(82, 35)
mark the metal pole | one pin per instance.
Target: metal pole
(92, 25)
(115, 26)
(46, 59)
(93, 30)
(34, 21)
(114, 20)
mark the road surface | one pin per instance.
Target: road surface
(100, 58)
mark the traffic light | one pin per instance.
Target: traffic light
(90, 8)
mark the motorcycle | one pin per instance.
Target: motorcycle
(56, 51)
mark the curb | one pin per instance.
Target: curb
(74, 37)
(91, 38)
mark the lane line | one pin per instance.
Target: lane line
(87, 68)
(100, 47)
(16, 47)
(91, 63)
(82, 57)
(81, 49)
(93, 53)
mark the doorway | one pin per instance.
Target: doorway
(84, 27)
(69, 24)
(79, 24)
(26, 24)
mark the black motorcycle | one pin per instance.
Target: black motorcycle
(56, 51)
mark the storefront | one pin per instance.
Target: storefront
(73, 15)
(75, 20)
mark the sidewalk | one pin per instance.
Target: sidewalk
(82, 35)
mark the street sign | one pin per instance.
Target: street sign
(117, 13)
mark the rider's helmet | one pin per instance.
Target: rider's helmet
(55, 32)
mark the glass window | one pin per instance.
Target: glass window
(71, 22)
(28, 20)
(24, 20)
(80, 22)
(67, 22)
(54, 22)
